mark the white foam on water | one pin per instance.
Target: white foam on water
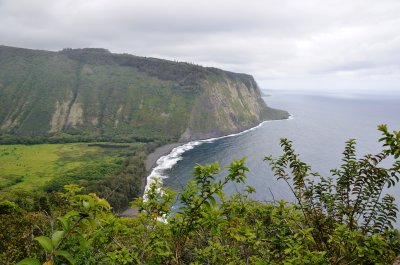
(168, 161)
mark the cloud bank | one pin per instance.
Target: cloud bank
(331, 44)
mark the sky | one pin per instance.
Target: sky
(285, 44)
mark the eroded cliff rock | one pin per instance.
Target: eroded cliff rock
(92, 92)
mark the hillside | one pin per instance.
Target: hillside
(92, 94)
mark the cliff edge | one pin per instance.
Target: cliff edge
(94, 95)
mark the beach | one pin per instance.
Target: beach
(152, 158)
(151, 162)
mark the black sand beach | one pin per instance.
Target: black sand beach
(159, 152)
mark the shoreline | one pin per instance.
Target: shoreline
(150, 164)
(166, 156)
(152, 158)
(165, 150)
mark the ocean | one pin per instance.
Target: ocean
(319, 126)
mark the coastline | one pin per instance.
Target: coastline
(150, 164)
(151, 160)
(166, 150)
(166, 156)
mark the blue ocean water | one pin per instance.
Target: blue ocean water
(320, 126)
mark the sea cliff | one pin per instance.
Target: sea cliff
(95, 95)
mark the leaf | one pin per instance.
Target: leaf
(45, 242)
(66, 255)
(82, 240)
(56, 237)
(206, 205)
(71, 214)
(103, 203)
(86, 205)
(212, 201)
(64, 222)
(29, 261)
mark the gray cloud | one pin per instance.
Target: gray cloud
(284, 43)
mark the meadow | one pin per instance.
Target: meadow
(42, 166)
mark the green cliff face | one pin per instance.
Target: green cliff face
(229, 103)
(91, 92)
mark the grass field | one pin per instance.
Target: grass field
(31, 167)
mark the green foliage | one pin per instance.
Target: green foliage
(114, 171)
(121, 188)
(344, 219)
(7, 207)
(391, 140)
(86, 209)
(29, 261)
(17, 229)
(352, 200)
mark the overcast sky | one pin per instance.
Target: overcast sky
(326, 44)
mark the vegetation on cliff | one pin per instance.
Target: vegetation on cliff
(345, 219)
(81, 95)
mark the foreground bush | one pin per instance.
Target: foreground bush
(344, 219)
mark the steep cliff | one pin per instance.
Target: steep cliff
(94, 93)
(228, 104)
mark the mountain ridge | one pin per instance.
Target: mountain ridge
(93, 93)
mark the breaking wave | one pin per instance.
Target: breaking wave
(166, 162)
